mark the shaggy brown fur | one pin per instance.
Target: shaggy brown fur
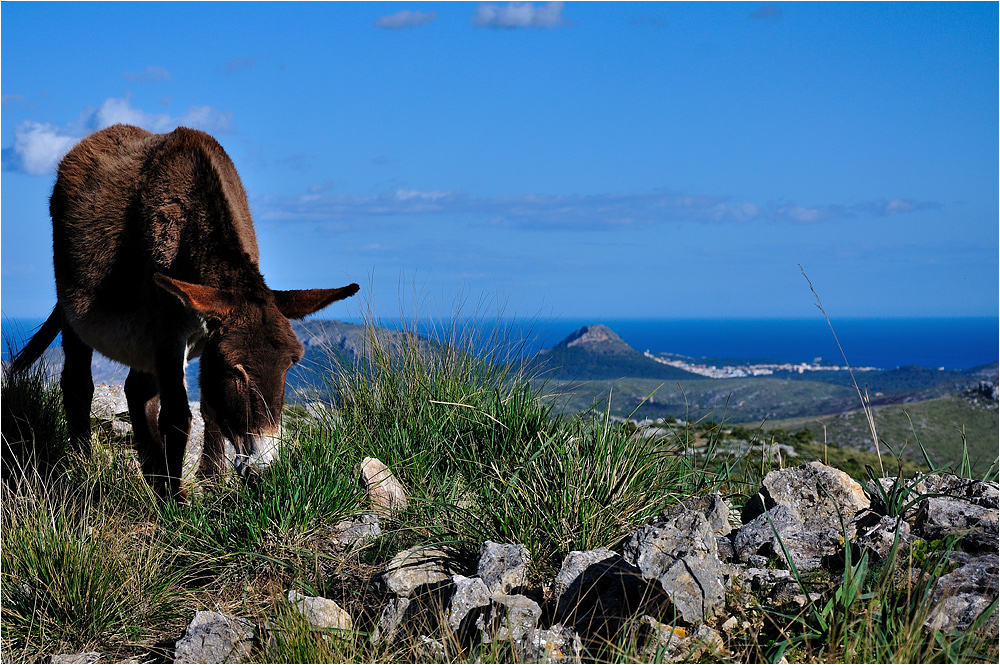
(156, 262)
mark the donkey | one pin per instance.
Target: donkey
(156, 263)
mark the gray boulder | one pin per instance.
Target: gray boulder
(320, 612)
(110, 408)
(681, 553)
(212, 637)
(418, 567)
(712, 506)
(354, 531)
(395, 614)
(503, 568)
(816, 495)
(779, 526)
(963, 594)
(469, 602)
(597, 591)
(385, 492)
(939, 517)
(877, 534)
(511, 618)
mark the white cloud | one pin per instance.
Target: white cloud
(404, 19)
(519, 15)
(38, 147)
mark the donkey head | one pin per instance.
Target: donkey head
(249, 349)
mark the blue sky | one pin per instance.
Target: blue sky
(604, 160)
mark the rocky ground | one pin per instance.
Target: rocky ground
(677, 587)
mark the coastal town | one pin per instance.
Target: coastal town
(739, 371)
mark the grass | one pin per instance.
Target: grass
(92, 560)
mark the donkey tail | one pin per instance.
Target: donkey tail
(40, 341)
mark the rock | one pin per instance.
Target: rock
(597, 591)
(816, 495)
(469, 602)
(384, 491)
(806, 548)
(876, 535)
(986, 494)
(76, 658)
(724, 545)
(557, 644)
(212, 637)
(712, 506)
(320, 612)
(682, 554)
(511, 618)
(396, 612)
(111, 407)
(939, 517)
(109, 402)
(503, 568)
(962, 595)
(666, 644)
(416, 567)
(430, 650)
(757, 535)
(763, 579)
(355, 531)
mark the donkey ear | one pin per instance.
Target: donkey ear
(203, 299)
(296, 304)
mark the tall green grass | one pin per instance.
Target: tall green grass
(484, 456)
(76, 575)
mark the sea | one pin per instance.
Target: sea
(951, 343)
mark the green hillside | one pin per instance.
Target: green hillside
(735, 400)
(938, 425)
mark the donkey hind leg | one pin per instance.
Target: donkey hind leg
(78, 389)
(143, 408)
(174, 421)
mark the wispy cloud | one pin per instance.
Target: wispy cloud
(519, 15)
(890, 207)
(567, 212)
(769, 11)
(150, 74)
(38, 147)
(405, 19)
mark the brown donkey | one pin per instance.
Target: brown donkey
(156, 262)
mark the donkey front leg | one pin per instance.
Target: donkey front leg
(174, 422)
(77, 388)
(213, 453)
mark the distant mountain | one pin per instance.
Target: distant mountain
(596, 352)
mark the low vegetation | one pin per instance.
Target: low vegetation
(92, 560)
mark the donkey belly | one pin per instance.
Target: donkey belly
(133, 341)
